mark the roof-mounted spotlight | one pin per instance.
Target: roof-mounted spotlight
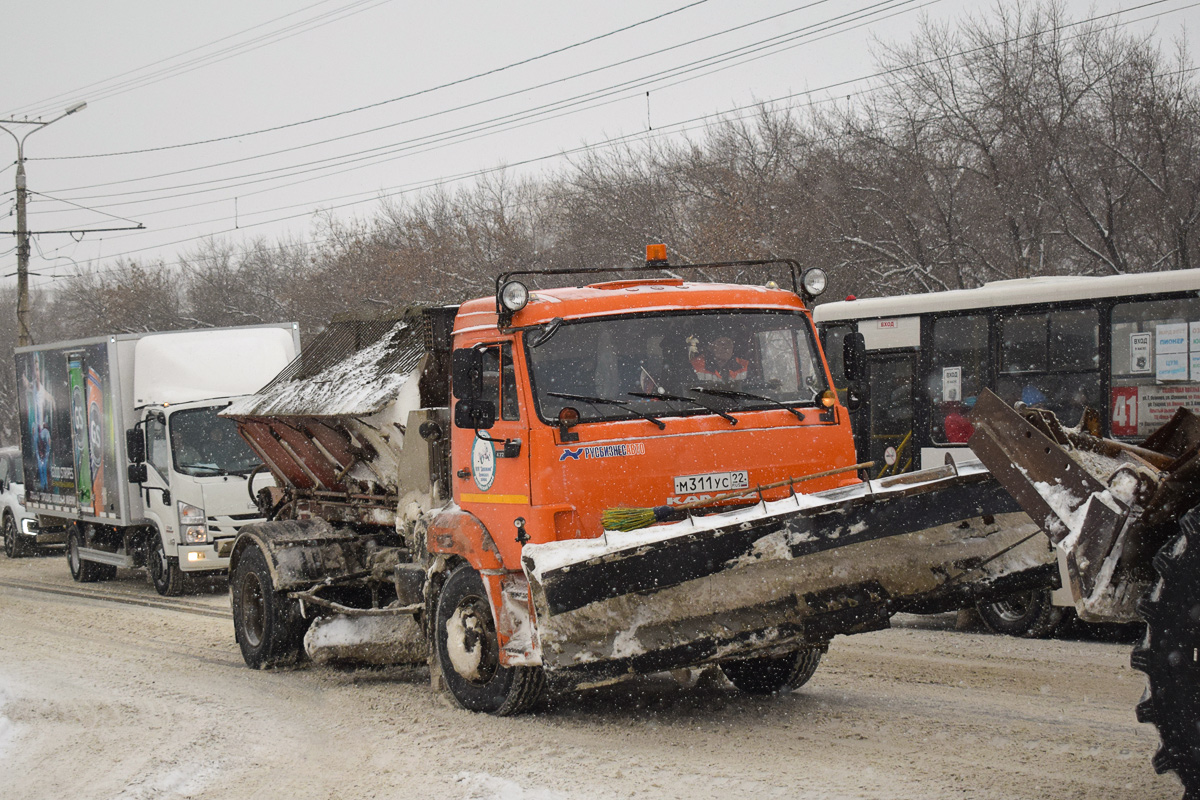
(814, 282)
(513, 296)
(656, 255)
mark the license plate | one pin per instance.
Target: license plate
(712, 482)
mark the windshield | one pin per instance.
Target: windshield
(204, 444)
(678, 364)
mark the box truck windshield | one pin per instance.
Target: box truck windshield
(204, 444)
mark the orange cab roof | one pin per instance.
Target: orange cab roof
(629, 297)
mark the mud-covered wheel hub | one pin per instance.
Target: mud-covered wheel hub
(468, 651)
(470, 641)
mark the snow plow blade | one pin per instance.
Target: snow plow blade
(777, 576)
(1107, 506)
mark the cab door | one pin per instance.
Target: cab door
(492, 476)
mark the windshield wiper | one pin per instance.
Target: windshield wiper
(748, 396)
(681, 398)
(582, 398)
(212, 470)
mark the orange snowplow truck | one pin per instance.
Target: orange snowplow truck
(588, 483)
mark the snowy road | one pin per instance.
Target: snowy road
(136, 699)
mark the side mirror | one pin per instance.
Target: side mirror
(135, 447)
(466, 373)
(854, 353)
(137, 473)
(477, 414)
(466, 377)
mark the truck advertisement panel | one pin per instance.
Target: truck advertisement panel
(68, 435)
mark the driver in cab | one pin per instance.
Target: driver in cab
(718, 364)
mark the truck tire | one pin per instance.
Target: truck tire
(164, 571)
(1028, 614)
(14, 545)
(468, 652)
(1167, 654)
(85, 571)
(267, 624)
(772, 674)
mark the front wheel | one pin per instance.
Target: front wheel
(1029, 614)
(14, 545)
(772, 674)
(164, 571)
(267, 624)
(469, 653)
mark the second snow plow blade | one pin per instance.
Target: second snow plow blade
(767, 579)
(1107, 506)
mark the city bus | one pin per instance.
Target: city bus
(1127, 346)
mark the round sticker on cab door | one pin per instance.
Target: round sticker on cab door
(483, 463)
(889, 456)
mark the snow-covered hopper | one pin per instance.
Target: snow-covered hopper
(445, 478)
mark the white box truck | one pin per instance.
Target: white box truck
(123, 450)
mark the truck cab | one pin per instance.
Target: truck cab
(610, 395)
(197, 484)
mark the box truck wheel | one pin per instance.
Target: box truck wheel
(164, 571)
(267, 624)
(771, 674)
(14, 545)
(85, 571)
(468, 651)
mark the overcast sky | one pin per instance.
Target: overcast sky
(238, 120)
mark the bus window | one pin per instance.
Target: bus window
(958, 370)
(1155, 363)
(1052, 361)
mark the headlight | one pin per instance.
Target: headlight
(815, 282)
(191, 523)
(514, 296)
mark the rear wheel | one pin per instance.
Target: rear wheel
(1029, 614)
(14, 545)
(469, 653)
(771, 674)
(85, 571)
(267, 624)
(1168, 655)
(164, 571)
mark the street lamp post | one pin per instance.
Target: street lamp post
(23, 336)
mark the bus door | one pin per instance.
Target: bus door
(891, 382)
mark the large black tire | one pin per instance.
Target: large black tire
(267, 624)
(1168, 655)
(468, 652)
(772, 674)
(164, 571)
(1029, 614)
(14, 545)
(85, 571)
